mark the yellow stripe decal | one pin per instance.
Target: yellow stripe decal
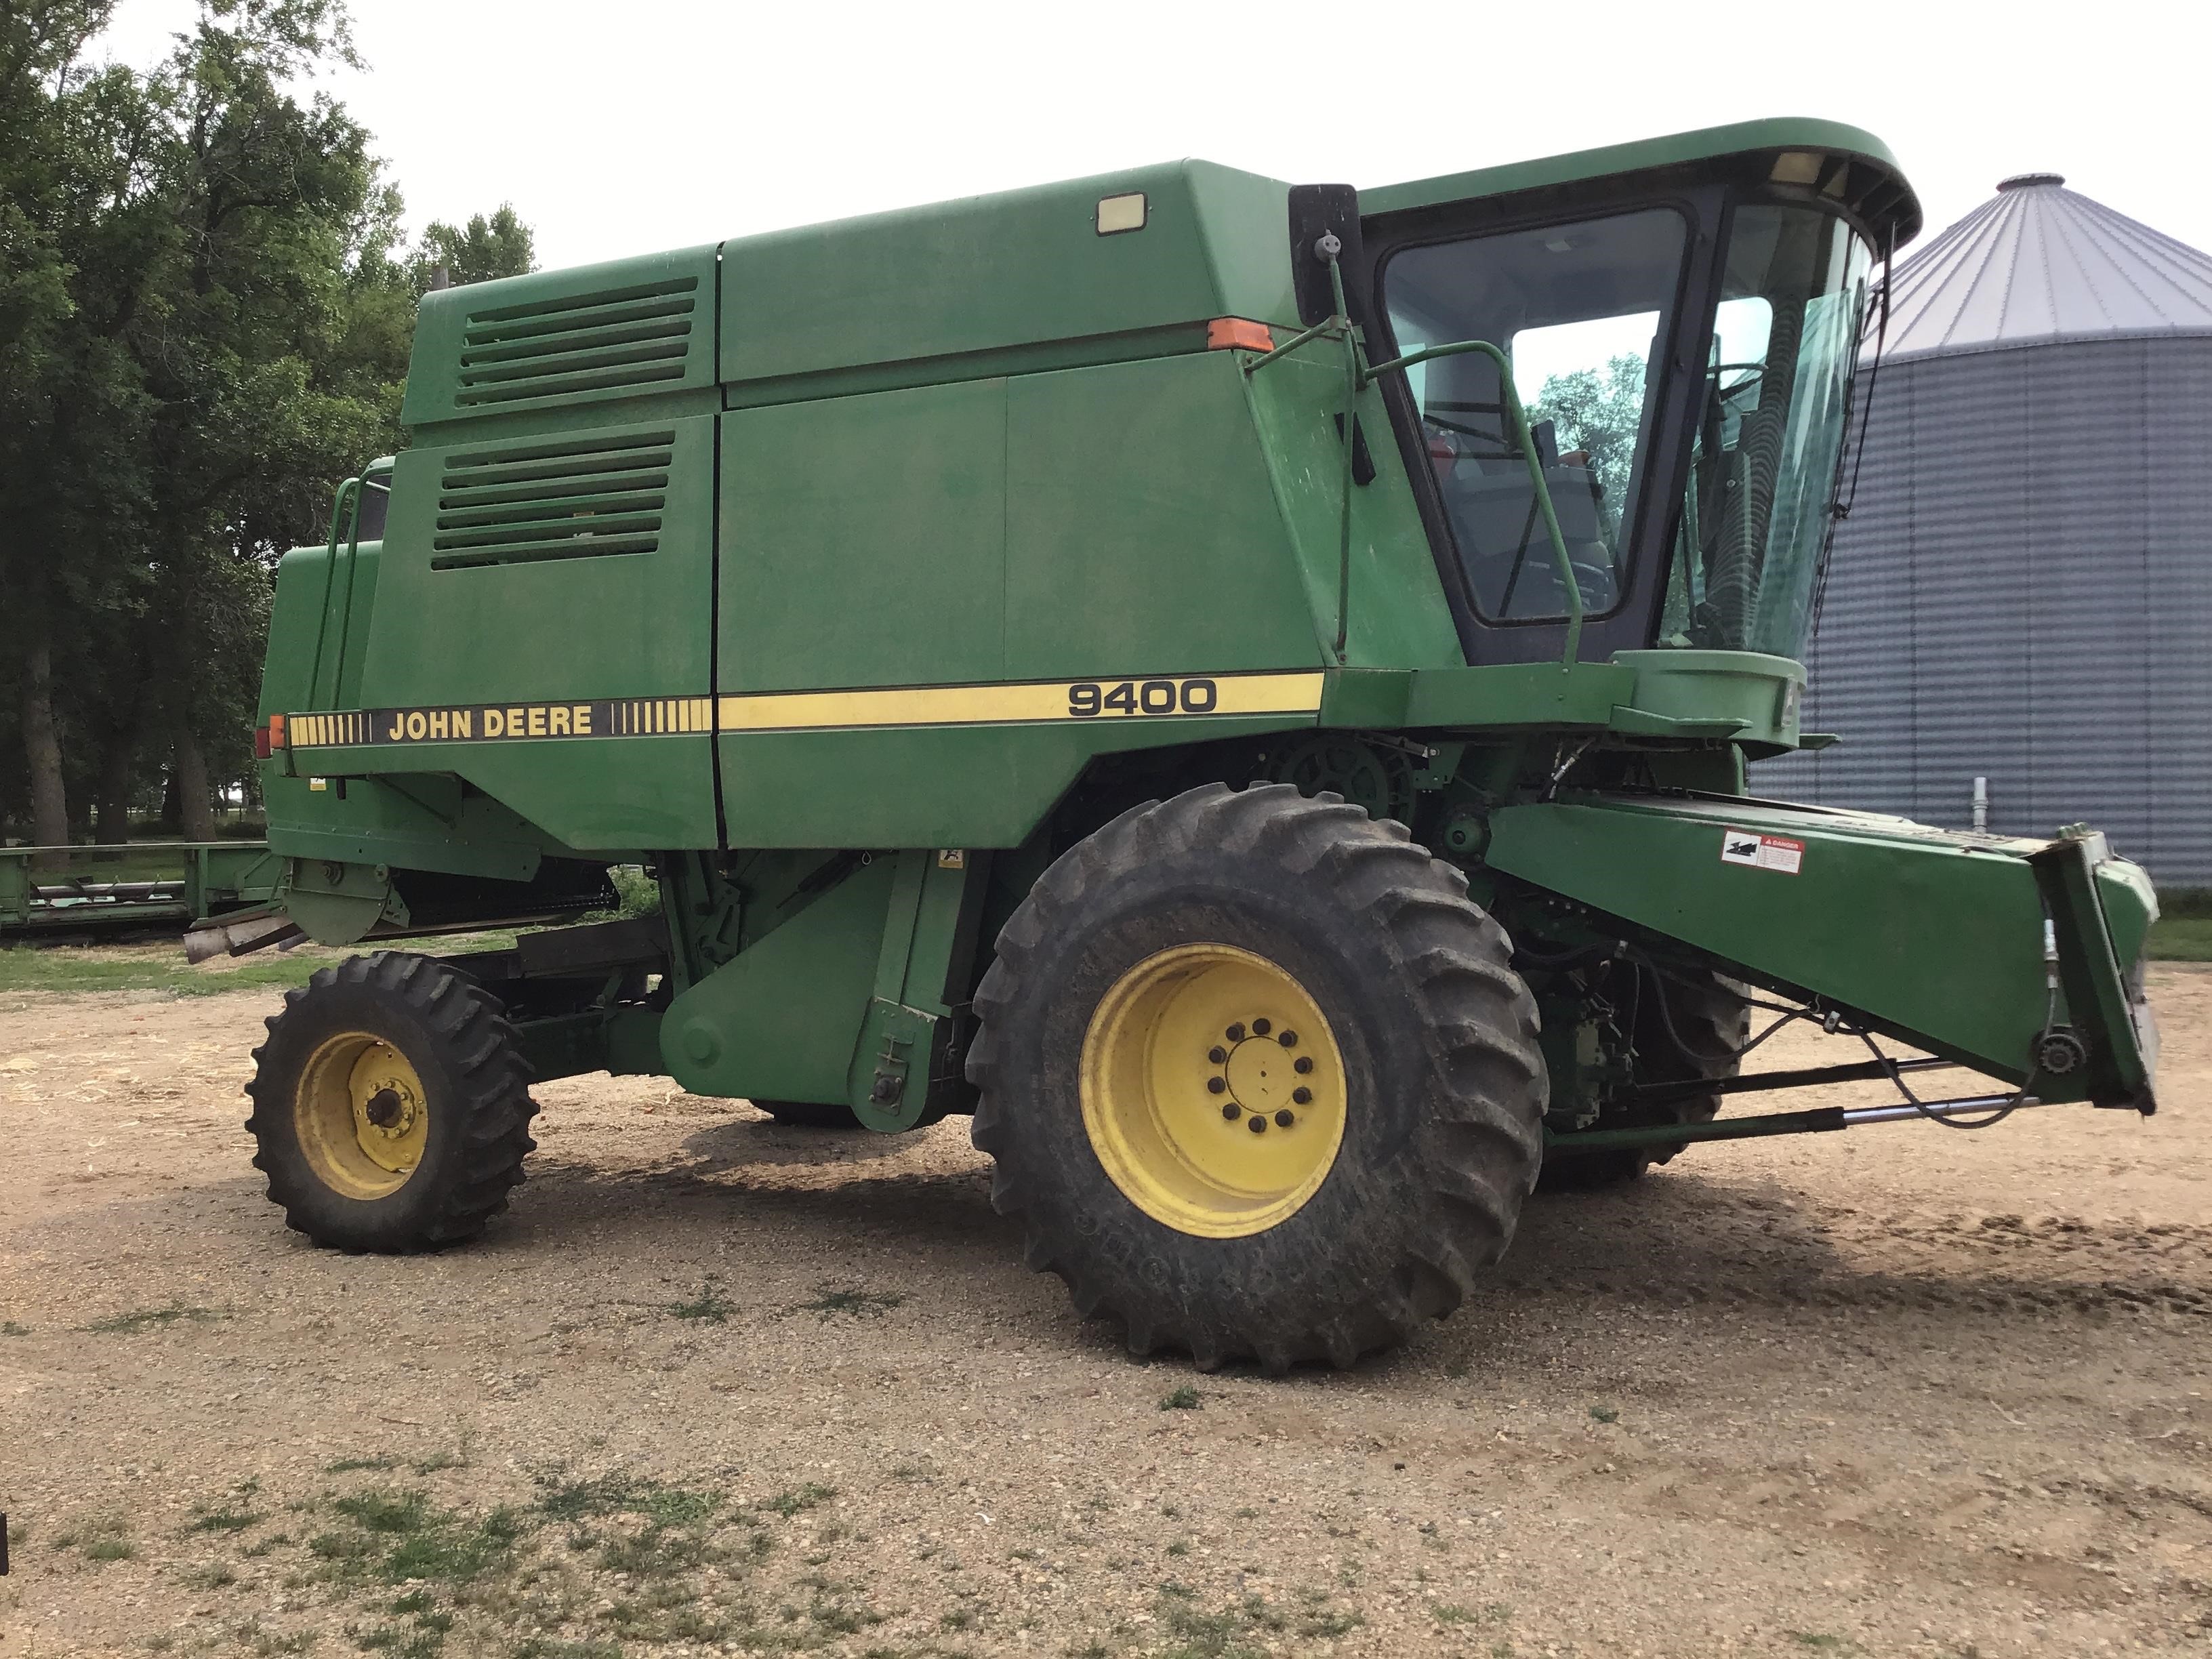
(1024, 704)
(1028, 703)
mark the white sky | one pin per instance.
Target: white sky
(620, 129)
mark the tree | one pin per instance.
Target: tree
(1600, 411)
(205, 312)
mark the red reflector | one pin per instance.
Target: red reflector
(1225, 332)
(275, 731)
(261, 743)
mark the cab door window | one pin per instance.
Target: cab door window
(1582, 310)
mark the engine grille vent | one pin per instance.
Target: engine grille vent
(624, 339)
(574, 500)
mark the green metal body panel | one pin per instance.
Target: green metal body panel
(930, 287)
(1935, 936)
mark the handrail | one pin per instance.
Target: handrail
(378, 469)
(349, 494)
(1521, 431)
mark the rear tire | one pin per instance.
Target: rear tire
(391, 1107)
(1139, 970)
(811, 1113)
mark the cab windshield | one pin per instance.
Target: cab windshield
(1744, 568)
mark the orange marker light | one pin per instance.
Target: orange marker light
(1225, 332)
(275, 731)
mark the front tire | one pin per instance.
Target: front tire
(391, 1107)
(1144, 1090)
(1688, 1029)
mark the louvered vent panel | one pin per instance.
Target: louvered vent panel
(634, 338)
(532, 502)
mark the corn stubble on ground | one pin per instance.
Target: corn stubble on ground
(720, 1386)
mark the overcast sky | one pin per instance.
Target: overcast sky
(616, 129)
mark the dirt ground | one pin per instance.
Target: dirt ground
(716, 1385)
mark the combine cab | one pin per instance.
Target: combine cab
(1244, 689)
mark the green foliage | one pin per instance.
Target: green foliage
(1184, 1399)
(205, 309)
(1599, 412)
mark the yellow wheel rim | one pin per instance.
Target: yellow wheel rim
(1212, 1091)
(361, 1115)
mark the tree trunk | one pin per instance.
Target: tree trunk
(49, 797)
(113, 804)
(197, 813)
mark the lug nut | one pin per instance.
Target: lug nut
(1288, 1039)
(1232, 1111)
(1285, 1119)
(1303, 1096)
(1305, 1064)
(1236, 1034)
(1257, 1124)
(1260, 1027)
(1217, 1055)
(1215, 1086)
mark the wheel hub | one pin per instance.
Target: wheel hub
(362, 1114)
(1213, 1090)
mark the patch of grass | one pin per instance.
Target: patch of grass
(861, 1304)
(708, 1307)
(224, 1519)
(1184, 1399)
(1821, 1642)
(217, 1576)
(547, 1647)
(99, 1538)
(1181, 1546)
(78, 970)
(1605, 1413)
(419, 1600)
(439, 1461)
(1448, 1613)
(1329, 1623)
(625, 1494)
(9, 1328)
(399, 1536)
(790, 1501)
(356, 1465)
(959, 1619)
(130, 1324)
(2185, 936)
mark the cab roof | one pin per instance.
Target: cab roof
(1853, 168)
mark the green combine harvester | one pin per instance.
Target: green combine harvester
(1244, 689)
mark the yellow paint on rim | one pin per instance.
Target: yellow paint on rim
(1212, 1091)
(361, 1115)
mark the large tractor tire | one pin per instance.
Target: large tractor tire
(1695, 1035)
(811, 1113)
(391, 1106)
(1258, 1078)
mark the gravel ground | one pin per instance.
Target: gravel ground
(719, 1386)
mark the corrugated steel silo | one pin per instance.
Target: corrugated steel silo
(2023, 590)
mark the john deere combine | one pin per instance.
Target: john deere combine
(1244, 689)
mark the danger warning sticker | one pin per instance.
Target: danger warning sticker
(1762, 852)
